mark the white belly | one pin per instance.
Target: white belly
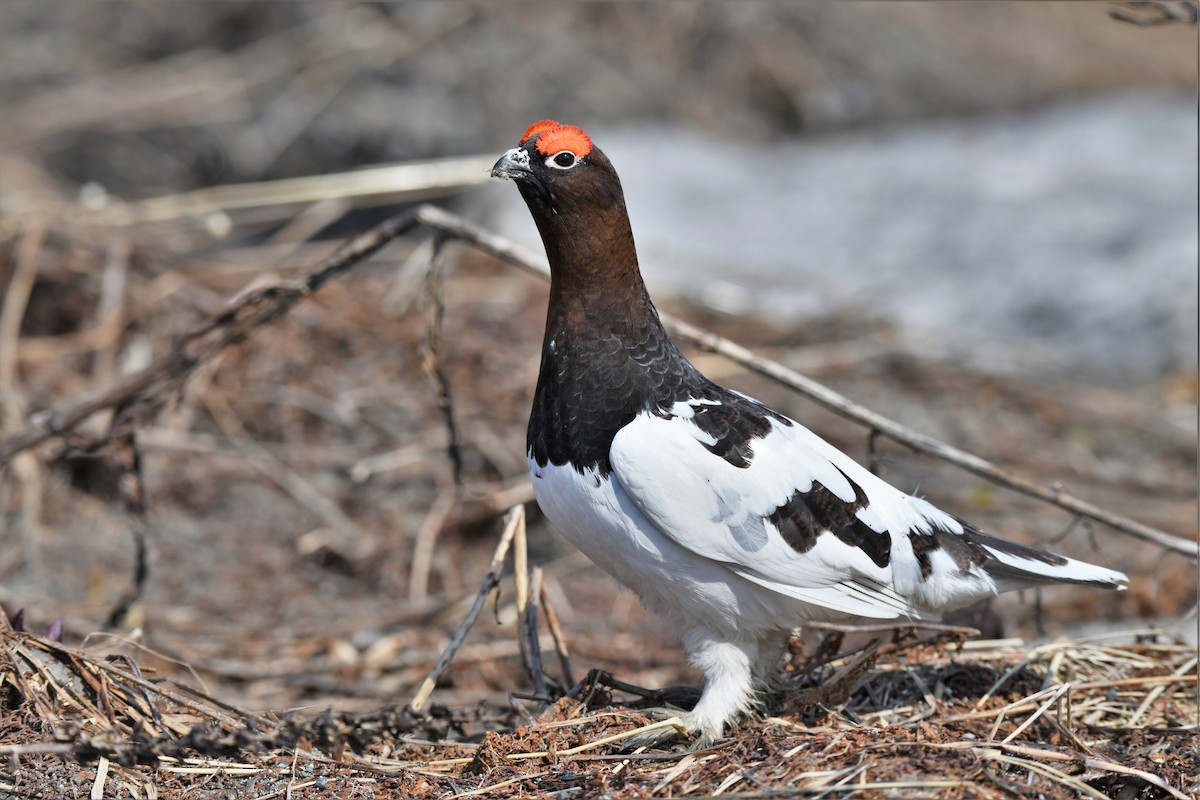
(596, 515)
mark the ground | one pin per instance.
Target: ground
(309, 550)
(258, 604)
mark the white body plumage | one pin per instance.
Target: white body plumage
(689, 533)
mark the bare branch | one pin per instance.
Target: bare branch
(843, 406)
(1150, 13)
(260, 307)
(514, 523)
(249, 313)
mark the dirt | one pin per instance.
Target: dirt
(309, 553)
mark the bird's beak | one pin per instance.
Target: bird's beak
(514, 164)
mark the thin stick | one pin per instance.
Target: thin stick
(247, 314)
(431, 353)
(27, 470)
(1051, 700)
(673, 722)
(560, 639)
(422, 557)
(528, 632)
(840, 627)
(823, 395)
(521, 566)
(97, 792)
(1093, 763)
(1153, 695)
(132, 488)
(1079, 786)
(262, 306)
(514, 521)
(415, 180)
(521, 587)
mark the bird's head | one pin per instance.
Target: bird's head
(560, 173)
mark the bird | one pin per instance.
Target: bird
(732, 520)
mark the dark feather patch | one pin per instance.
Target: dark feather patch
(735, 423)
(594, 382)
(807, 515)
(971, 548)
(603, 366)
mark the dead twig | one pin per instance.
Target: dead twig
(26, 470)
(823, 395)
(246, 315)
(1089, 762)
(527, 633)
(422, 554)
(259, 307)
(132, 490)
(560, 639)
(1150, 13)
(515, 522)
(431, 353)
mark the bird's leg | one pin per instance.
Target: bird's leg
(728, 668)
(728, 690)
(766, 669)
(767, 672)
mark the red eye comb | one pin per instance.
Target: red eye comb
(538, 127)
(564, 137)
(554, 137)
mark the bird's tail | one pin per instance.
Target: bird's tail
(1017, 566)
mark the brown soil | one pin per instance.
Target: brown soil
(309, 554)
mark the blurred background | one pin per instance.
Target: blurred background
(977, 218)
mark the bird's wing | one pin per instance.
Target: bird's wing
(738, 484)
(735, 482)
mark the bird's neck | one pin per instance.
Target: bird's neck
(596, 286)
(605, 356)
(597, 295)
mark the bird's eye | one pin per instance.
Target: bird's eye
(563, 160)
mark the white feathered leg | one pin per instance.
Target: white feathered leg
(728, 668)
(729, 689)
(767, 670)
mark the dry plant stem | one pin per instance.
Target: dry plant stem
(97, 792)
(422, 554)
(513, 523)
(26, 469)
(560, 639)
(1158, 691)
(841, 627)
(431, 353)
(135, 681)
(1054, 694)
(531, 649)
(843, 406)
(245, 315)
(262, 306)
(407, 181)
(132, 490)
(1081, 788)
(1093, 763)
(521, 568)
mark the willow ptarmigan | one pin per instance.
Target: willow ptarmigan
(736, 522)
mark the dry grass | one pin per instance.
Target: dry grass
(935, 716)
(932, 717)
(298, 537)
